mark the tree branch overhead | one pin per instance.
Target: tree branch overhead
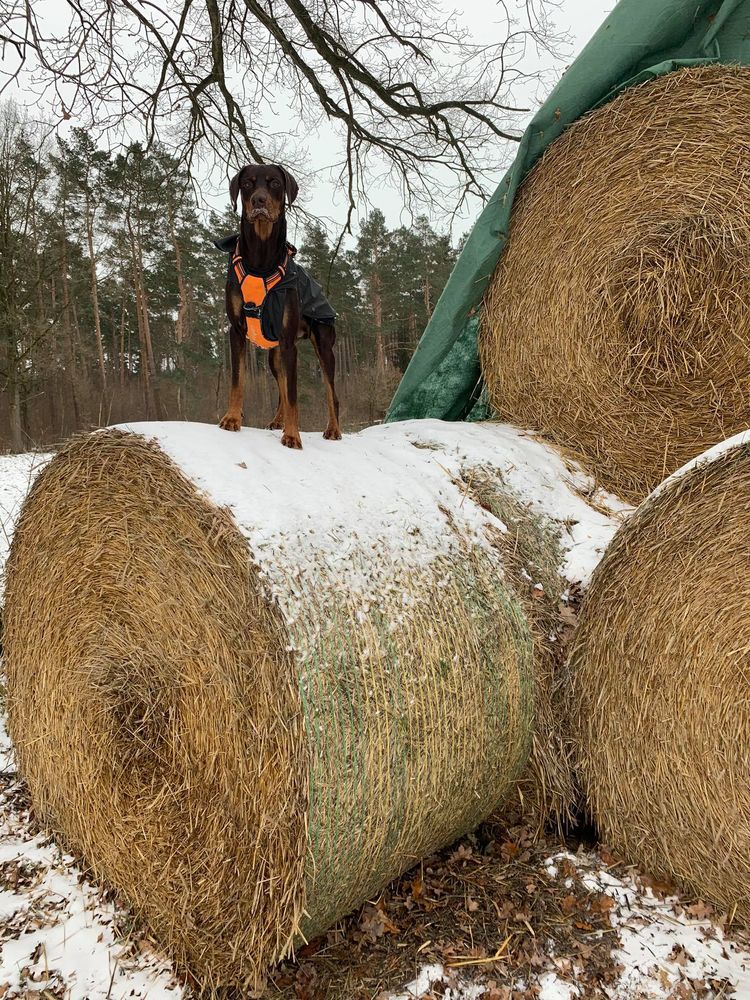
(410, 94)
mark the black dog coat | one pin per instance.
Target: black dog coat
(264, 317)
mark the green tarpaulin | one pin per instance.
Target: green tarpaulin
(639, 40)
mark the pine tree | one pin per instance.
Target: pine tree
(23, 175)
(81, 170)
(112, 295)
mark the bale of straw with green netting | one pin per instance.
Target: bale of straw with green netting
(532, 556)
(243, 739)
(659, 687)
(617, 320)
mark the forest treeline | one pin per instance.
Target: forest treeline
(112, 296)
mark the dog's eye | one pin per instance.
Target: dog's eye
(274, 183)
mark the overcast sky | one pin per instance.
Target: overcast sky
(578, 18)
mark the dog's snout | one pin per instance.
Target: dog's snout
(259, 198)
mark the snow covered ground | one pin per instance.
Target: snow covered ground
(58, 936)
(17, 473)
(663, 950)
(61, 936)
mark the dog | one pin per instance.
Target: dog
(272, 302)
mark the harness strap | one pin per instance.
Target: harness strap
(254, 289)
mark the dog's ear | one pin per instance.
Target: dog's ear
(290, 185)
(234, 188)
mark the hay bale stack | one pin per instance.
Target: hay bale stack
(660, 682)
(250, 708)
(617, 321)
(252, 686)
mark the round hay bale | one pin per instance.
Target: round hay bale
(660, 682)
(616, 322)
(250, 709)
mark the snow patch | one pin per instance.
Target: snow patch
(551, 987)
(661, 947)
(705, 458)
(433, 975)
(394, 489)
(17, 473)
(56, 931)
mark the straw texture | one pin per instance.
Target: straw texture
(532, 555)
(660, 685)
(242, 778)
(617, 320)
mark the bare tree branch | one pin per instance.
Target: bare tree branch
(413, 96)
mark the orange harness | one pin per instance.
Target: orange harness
(254, 290)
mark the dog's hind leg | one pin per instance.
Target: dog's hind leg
(273, 363)
(232, 419)
(287, 372)
(323, 338)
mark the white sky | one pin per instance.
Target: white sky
(579, 19)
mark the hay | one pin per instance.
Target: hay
(617, 321)
(242, 768)
(660, 684)
(532, 555)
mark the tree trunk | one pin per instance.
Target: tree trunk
(182, 326)
(145, 365)
(377, 311)
(148, 364)
(95, 294)
(154, 401)
(427, 292)
(122, 343)
(16, 425)
(413, 329)
(69, 340)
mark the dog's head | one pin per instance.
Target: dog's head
(264, 189)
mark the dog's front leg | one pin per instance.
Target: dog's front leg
(287, 375)
(274, 364)
(232, 419)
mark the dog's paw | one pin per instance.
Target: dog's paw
(332, 434)
(230, 422)
(275, 425)
(292, 441)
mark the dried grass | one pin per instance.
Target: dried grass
(239, 780)
(133, 629)
(617, 321)
(532, 556)
(660, 685)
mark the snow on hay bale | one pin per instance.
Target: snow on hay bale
(251, 687)
(614, 323)
(660, 681)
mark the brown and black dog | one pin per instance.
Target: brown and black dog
(264, 191)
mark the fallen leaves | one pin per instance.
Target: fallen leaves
(608, 858)
(498, 909)
(568, 904)
(482, 908)
(601, 903)
(700, 910)
(375, 922)
(661, 888)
